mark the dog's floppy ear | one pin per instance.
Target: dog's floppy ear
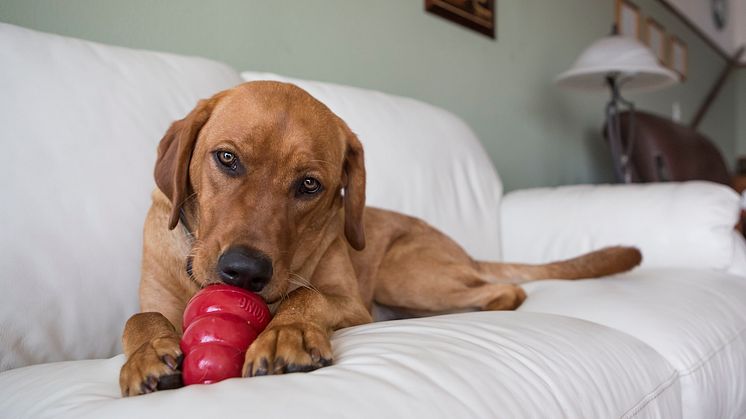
(354, 191)
(175, 153)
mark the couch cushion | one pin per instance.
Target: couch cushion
(489, 364)
(695, 319)
(421, 160)
(80, 125)
(688, 224)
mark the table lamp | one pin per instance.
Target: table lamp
(618, 63)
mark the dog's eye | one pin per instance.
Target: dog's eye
(226, 158)
(309, 186)
(229, 161)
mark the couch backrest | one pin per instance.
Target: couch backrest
(80, 125)
(674, 224)
(421, 160)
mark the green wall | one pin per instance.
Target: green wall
(535, 133)
(741, 112)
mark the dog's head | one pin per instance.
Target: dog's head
(265, 176)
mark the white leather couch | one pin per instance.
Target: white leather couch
(80, 122)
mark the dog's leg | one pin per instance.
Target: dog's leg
(151, 345)
(424, 272)
(297, 338)
(151, 338)
(428, 287)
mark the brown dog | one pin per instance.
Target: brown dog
(269, 186)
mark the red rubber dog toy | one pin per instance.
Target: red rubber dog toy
(220, 322)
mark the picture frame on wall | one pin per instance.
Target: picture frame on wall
(478, 15)
(678, 56)
(628, 19)
(655, 39)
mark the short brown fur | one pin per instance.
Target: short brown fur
(333, 258)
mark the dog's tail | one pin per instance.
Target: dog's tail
(606, 261)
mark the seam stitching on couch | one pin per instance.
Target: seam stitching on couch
(637, 408)
(656, 393)
(711, 355)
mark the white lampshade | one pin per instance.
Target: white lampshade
(636, 65)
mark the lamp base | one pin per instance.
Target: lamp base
(620, 150)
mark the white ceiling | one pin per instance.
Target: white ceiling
(700, 13)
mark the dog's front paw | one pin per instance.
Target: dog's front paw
(153, 366)
(298, 347)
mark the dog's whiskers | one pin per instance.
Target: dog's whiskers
(298, 280)
(190, 257)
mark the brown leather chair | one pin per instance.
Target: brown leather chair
(664, 151)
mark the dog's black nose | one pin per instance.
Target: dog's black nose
(246, 268)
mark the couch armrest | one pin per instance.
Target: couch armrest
(688, 224)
